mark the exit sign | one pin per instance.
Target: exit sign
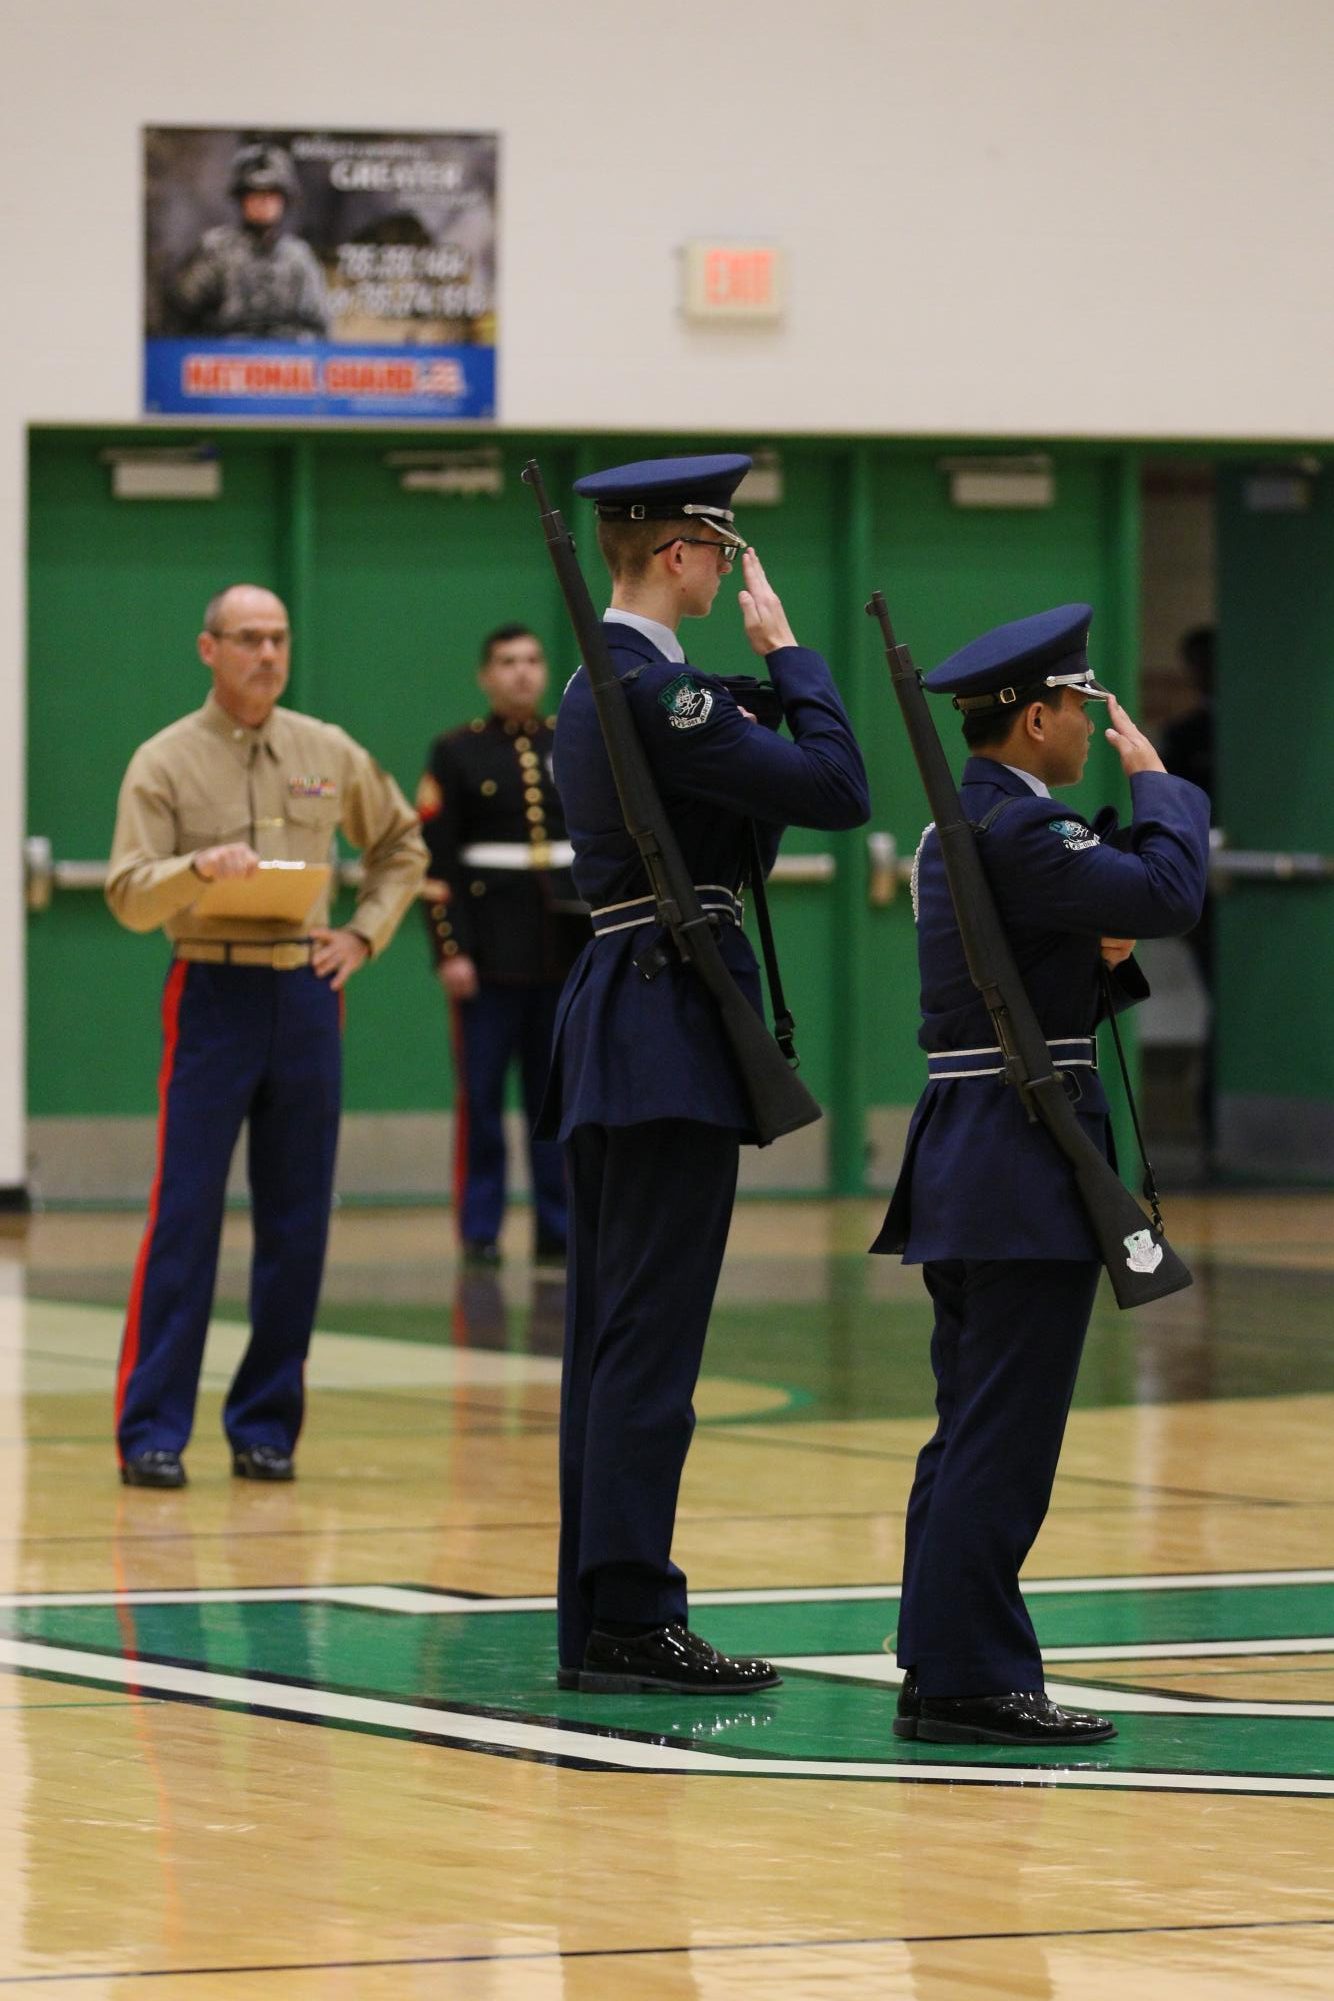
(733, 281)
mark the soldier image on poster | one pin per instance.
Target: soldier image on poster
(254, 279)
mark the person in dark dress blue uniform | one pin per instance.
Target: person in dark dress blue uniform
(985, 1202)
(644, 1092)
(505, 928)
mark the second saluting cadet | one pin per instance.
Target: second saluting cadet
(505, 929)
(644, 1091)
(985, 1201)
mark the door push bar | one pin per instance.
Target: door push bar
(44, 875)
(886, 869)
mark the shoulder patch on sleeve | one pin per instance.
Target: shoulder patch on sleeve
(687, 704)
(1074, 834)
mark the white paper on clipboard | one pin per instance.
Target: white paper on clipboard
(280, 892)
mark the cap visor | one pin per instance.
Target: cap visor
(1083, 684)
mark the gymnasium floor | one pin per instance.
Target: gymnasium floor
(305, 1742)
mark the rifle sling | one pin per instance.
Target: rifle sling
(784, 1024)
(1150, 1184)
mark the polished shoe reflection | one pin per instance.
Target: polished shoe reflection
(1024, 1716)
(697, 1723)
(670, 1659)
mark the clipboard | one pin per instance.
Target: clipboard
(279, 892)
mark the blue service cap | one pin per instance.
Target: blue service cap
(668, 489)
(1015, 662)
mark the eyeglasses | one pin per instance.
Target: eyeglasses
(250, 640)
(729, 551)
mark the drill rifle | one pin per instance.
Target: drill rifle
(779, 1101)
(1139, 1261)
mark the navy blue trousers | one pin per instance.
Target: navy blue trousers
(240, 1043)
(498, 1025)
(650, 1207)
(1005, 1349)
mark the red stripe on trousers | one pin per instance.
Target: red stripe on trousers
(171, 1024)
(460, 1113)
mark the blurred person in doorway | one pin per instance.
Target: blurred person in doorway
(506, 925)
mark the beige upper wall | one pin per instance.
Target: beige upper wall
(1004, 217)
(1007, 216)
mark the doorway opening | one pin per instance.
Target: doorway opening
(1178, 615)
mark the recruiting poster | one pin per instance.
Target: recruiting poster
(319, 274)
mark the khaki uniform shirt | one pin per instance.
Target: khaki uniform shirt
(283, 788)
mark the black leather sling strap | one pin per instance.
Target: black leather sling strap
(1149, 1186)
(782, 1013)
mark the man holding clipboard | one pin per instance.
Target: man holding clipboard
(224, 833)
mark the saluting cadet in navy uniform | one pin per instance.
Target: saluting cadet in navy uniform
(985, 1201)
(505, 930)
(644, 1092)
(251, 1020)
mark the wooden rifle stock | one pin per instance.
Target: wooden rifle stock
(779, 1101)
(1140, 1262)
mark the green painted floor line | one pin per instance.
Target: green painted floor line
(665, 1735)
(1278, 1613)
(44, 1708)
(500, 1663)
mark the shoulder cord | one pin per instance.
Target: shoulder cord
(915, 879)
(783, 1022)
(978, 826)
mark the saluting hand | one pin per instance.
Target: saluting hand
(220, 864)
(1130, 743)
(761, 608)
(336, 955)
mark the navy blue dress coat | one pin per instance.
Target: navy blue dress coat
(978, 1180)
(521, 927)
(627, 1049)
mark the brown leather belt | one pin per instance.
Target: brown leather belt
(281, 957)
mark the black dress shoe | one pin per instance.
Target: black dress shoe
(909, 1706)
(480, 1253)
(670, 1660)
(262, 1462)
(153, 1469)
(1025, 1716)
(549, 1251)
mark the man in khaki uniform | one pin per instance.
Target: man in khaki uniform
(251, 1027)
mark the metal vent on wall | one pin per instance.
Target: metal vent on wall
(992, 480)
(763, 484)
(479, 470)
(1285, 487)
(164, 472)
